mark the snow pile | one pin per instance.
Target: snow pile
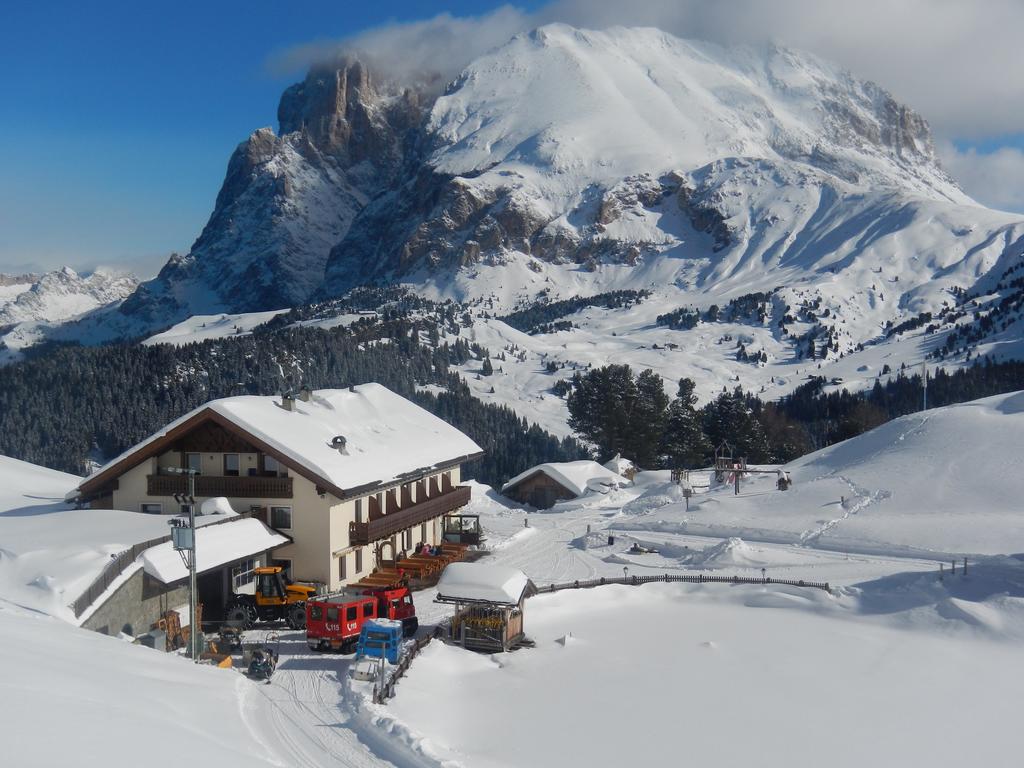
(730, 552)
(386, 436)
(654, 497)
(474, 582)
(217, 505)
(579, 477)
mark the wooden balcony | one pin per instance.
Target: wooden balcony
(397, 521)
(232, 487)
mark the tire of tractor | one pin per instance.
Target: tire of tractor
(296, 616)
(240, 616)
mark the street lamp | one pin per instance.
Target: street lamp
(184, 542)
(625, 573)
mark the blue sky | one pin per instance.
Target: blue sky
(117, 118)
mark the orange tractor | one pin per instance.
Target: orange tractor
(275, 598)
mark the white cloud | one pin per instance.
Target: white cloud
(441, 46)
(995, 179)
(957, 62)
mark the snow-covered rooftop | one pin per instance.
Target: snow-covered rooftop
(386, 436)
(575, 476)
(215, 546)
(482, 582)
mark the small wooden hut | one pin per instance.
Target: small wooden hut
(488, 602)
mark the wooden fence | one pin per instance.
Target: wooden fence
(698, 578)
(119, 564)
(386, 689)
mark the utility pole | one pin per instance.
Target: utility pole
(184, 540)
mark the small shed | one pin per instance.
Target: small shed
(621, 466)
(488, 602)
(545, 485)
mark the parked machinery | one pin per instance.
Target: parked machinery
(334, 622)
(275, 599)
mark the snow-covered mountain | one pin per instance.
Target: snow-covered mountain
(35, 307)
(568, 162)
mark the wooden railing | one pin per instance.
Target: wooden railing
(244, 487)
(695, 578)
(420, 512)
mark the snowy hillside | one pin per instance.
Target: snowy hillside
(943, 482)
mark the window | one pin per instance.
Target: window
(359, 561)
(153, 509)
(351, 613)
(231, 465)
(316, 612)
(270, 585)
(341, 567)
(407, 538)
(359, 510)
(194, 461)
(423, 533)
(286, 569)
(280, 517)
(368, 610)
(332, 614)
(272, 466)
(242, 573)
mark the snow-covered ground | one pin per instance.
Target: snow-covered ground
(204, 327)
(900, 664)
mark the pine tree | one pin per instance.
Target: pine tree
(684, 444)
(600, 407)
(648, 421)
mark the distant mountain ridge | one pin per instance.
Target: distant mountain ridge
(61, 294)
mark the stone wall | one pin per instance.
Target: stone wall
(139, 602)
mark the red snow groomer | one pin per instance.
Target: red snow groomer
(333, 622)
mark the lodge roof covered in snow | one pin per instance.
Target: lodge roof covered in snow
(385, 437)
(575, 476)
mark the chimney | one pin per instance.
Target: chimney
(288, 401)
(339, 442)
(304, 394)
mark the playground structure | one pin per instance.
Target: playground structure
(729, 469)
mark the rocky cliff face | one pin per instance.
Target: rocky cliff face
(287, 198)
